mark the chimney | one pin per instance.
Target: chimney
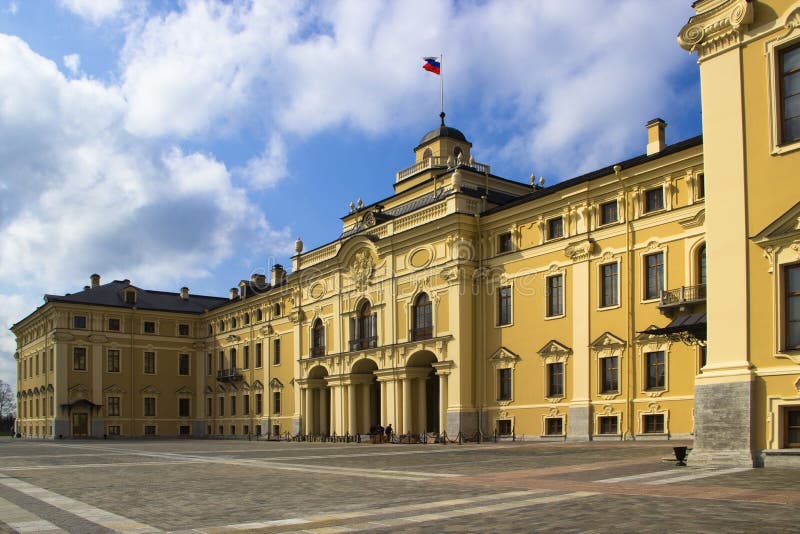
(95, 278)
(234, 293)
(278, 274)
(655, 136)
(184, 293)
(259, 281)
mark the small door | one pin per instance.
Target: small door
(80, 424)
(793, 427)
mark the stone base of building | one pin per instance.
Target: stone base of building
(579, 423)
(199, 428)
(723, 425)
(465, 422)
(61, 428)
(98, 428)
(296, 426)
(780, 458)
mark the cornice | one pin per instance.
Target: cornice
(717, 26)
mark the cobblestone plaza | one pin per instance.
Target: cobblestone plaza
(221, 486)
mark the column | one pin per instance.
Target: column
(442, 402)
(352, 428)
(422, 401)
(365, 401)
(323, 412)
(309, 410)
(407, 406)
(383, 403)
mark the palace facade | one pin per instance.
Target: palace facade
(466, 302)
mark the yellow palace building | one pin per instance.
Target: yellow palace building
(468, 303)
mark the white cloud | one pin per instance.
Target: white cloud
(269, 167)
(73, 63)
(13, 8)
(95, 11)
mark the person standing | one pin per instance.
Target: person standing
(389, 432)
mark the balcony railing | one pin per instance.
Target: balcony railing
(439, 162)
(418, 334)
(683, 295)
(364, 343)
(229, 375)
(317, 352)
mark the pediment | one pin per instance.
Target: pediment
(150, 389)
(554, 348)
(504, 355)
(79, 391)
(275, 384)
(699, 219)
(607, 341)
(257, 385)
(245, 386)
(183, 390)
(209, 389)
(114, 388)
(220, 388)
(787, 226)
(646, 336)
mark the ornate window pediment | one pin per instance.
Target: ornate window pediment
(79, 391)
(646, 337)
(257, 385)
(115, 389)
(209, 390)
(150, 390)
(553, 352)
(504, 359)
(606, 342)
(275, 384)
(183, 390)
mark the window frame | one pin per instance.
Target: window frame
(188, 402)
(653, 383)
(118, 368)
(149, 327)
(553, 309)
(505, 384)
(605, 382)
(146, 412)
(421, 317)
(505, 306)
(602, 212)
(601, 427)
(546, 429)
(79, 322)
(183, 329)
(601, 285)
(118, 323)
(276, 403)
(787, 297)
(113, 406)
(646, 198)
(556, 389)
(505, 243)
(144, 362)
(646, 273)
(84, 367)
(188, 359)
(775, 50)
(276, 351)
(655, 417)
(550, 226)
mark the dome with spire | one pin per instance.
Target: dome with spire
(443, 131)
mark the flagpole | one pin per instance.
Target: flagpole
(441, 80)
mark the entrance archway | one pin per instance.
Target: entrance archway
(366, 394)
(317, 402)
(423, 386)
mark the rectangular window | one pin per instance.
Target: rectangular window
(149, 430)
(504, 427)
(554, 426)
(555, 295)
(555, 228)
(276, 402)
(149, 327)
(112, 361)
(258, 355)
(655, 369)
(654, 199)
(610, 285)
(114, 430)
(184, 430)
(79, 358)
(608, 424)
(183, 364)
(209, 364)
(276, 352)
(183, 329)
(150, 363)
(790, 94)
(245, 429)
(246, 404)
(504, 243)
(221, 407)
(112, 409)
(246, 357)
(183, 407)
(609, 374)
(608, 212)
(79, 321)
(792, 277)
(233, 430)
(792, 427)
(504, 306)
(258, 403)
(221, 360)
(113, 325)
(653, 423)
(701, 185)
(150, 406)
(209, 406)
(52, 357)
(555, 379)
(653, 275)
(504, 384)
(233, 405)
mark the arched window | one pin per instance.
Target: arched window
(422, 321)
(318, 339)
(233, 359)
(246, 318)
(233, 322)
(427, 154)
(276, 310)
(259, 315)
(363, 328)
(221, 326)
(701, 265)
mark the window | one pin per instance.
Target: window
(149, 430)
(221, 409)
(149, 327)
(555, 228)
(113, 325)
(79, 358)
(655, 369)
(79, 321)
(701, 185)
(701, 266)
(221, 360)
(113, 430)
(221, 326)
(233, 405)
(233, 322)
(504, 306)
(245, 429)
(245, 404)
(246, 357)
(504, 427)
(246, 318)
(150, 406)
(654, 199)
(209, 406)
(233, 358)
(150, 363)
(422, 318)
(183, 407)
(183, 364)
(504, 243)
(184, 430)
(130, 297)
(112, 361)
(112, 410)
(504, 384)
(653, 423)
(233, 430)
(555, 379)
(209, 364)
(609, 374)
(554, 426)
(608, 212)
(259, 315)
(610, 285)
(792, 427)
(790, 94)
(258, 355)
(318, 338)
(364, 328)
(608, 424)
(653, 275)
(555, 295)
(183, 329)
(258, 404)
(276, 402)
(276, 310)
(258, 430)
(792, 277)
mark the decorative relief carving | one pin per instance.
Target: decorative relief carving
(361, 269)
(580, 250)
(717, 28)
(554, 352)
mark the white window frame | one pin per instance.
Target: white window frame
(652, 249)
(562, 274)
(773, 49)
(600, 286)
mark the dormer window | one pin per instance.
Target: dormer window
(130, 296)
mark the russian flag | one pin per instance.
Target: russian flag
(432, 65)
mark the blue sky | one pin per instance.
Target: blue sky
(190, 143)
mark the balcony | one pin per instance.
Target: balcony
(418, 334)
(682, 299)
(438, 162)
(229, 375)
(363, 343)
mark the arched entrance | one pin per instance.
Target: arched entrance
(421, 385)
(367, 395)
(317, 402)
